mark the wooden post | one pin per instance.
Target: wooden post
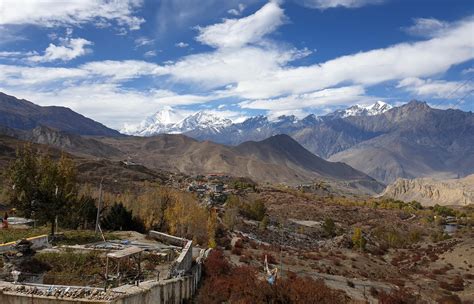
(106, 272)
(139, 267)
(99, 207)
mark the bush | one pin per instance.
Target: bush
(329, 227)
(254, 210)
(224, 283)
(119, 218)
(400, 296)
(358, 240)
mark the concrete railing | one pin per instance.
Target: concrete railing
(185, 258)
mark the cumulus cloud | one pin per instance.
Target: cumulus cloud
(325, 4)
(68, 49)
(234, 33)
(73, 12)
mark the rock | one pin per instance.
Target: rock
(430, 192)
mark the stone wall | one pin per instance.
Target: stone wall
(173, 291)
(185, 258)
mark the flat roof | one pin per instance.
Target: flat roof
(125, 252)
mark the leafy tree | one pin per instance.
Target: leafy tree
(358, 239)
(40, 187)
(82, 213)
(254, 210)
(211, 228)
(264, 223)
(329, 227)
(230, 218)
(188, 220)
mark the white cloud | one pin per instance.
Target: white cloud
(235, 33)
(68, 49)
(426, 27)
(468, 70)
(440, 89)
(245, 65)
(325, 4)
(299, 102)
(118, 71)
(181, 44)
(107, 102)
(26, 77)
(173, 15)
(143, 41)
(72, 12)
(237, 11)
(150, 54)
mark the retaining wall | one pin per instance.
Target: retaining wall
(185, 258)
(173, 291)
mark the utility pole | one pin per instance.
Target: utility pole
(99, 207)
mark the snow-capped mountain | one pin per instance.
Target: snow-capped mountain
(204, 124)
(202, 121)
(378, 107)
(171, 122)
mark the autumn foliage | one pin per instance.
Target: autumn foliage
(224, 282)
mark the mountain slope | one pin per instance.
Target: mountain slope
(279, 159)
(24, 115)
(282, 149)
(430, 192)
(415, 141)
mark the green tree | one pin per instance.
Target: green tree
(119, 218)
(82, 213)
(329, 227)
(42, 188)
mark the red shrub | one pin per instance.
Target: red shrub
(400, 296)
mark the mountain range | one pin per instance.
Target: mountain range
(384, 142)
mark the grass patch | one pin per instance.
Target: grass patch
(10, 235)
(70, 268)
(81, 237)
(68, 237)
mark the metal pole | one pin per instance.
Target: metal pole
(99, 207)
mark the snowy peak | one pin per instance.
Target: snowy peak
(202, 120)
(167, 116)
(160, 122)
(377, 108)
(171, 122)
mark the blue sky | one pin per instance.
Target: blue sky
(120, 61)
